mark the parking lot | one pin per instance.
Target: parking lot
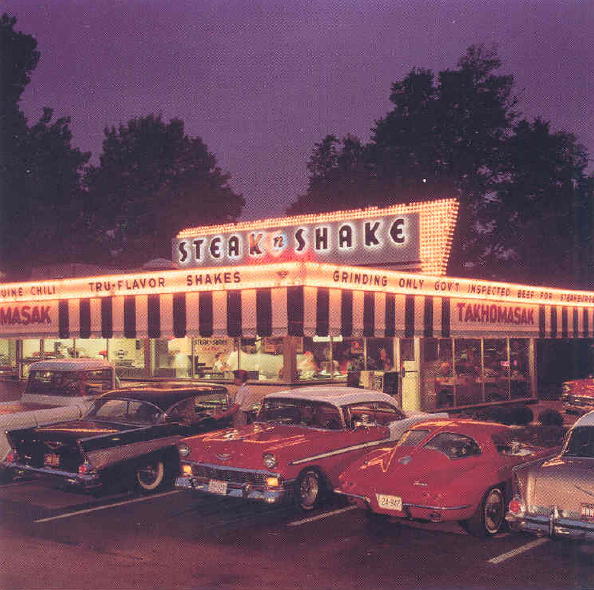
(56, 538)
(53, 538)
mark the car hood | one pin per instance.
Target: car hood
(244, 447)
(565, 482)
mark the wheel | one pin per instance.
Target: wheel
(151, 475)
(309, 490)
(489, 518)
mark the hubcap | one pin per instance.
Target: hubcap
(309, 489)
(493, 511)
(149, 474)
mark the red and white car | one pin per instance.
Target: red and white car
(301, 441)
(442, 470)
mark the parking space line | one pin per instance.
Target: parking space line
(106, 506)
(320, 516)
(519, 550)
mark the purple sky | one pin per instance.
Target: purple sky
(262, 81)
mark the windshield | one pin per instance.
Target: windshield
(124, 410)
(411, 438)
(580, 443)
(69, 383)
(301, 413)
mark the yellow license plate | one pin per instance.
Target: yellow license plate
(51, 460)
(217, 487)
(389, 502)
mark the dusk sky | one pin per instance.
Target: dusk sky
(262, 81)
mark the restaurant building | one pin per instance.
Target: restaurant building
(356, 297)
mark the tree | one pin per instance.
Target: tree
(39, 169)
(336, 168)
(152, 181)
(459, 135)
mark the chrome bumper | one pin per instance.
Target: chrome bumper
(551, 526)
(86, 481)
(245, 491)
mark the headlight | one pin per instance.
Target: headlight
(183, 449)
(270, 460)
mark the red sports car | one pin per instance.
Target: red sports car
(442, 470)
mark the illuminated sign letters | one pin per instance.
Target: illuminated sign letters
(387, 240)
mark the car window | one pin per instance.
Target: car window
(386, 413)
(300, 413)
(454, 446)
(127, 411)
(69, 383)
(580, 442)
(361, 415)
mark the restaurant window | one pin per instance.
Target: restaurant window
(32, 351)
(315, 359)
(59, 349)
(173, 357)
(95, 348)
(215, 358)
(348, 355)
(127, 355)
(496, 370)
(438, 373)
(262, 358)
(519, 356)
(380, 355)
(467, 368)
(8, 357)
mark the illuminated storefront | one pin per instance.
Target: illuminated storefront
(435, 341)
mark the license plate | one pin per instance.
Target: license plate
(389, 502)
(588, 511)
(217, 487)
(51, 460)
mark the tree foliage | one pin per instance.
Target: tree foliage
(152, 181)
(40, 170)
(458, 134)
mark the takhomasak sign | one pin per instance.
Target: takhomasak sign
(475, 317)
(33, 318)
(384, 240)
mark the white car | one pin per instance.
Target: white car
(555, 497)
(56, 390)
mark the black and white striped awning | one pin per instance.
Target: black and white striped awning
(301, 311)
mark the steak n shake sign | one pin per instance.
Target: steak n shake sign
(412, 237)
(390, 240)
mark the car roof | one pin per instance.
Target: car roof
(162, 397)
(81, 364)
(585, 420)
(339, 396)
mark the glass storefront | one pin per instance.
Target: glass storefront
(452, 372)
(469, 371)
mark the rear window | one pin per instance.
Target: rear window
(69, 383)
(454, 446)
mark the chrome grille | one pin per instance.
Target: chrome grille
(229, 475)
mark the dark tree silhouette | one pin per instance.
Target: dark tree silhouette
(458, 134)
(152, 181)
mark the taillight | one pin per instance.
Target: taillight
(516, 506)
(85, 468)
(12, 456)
